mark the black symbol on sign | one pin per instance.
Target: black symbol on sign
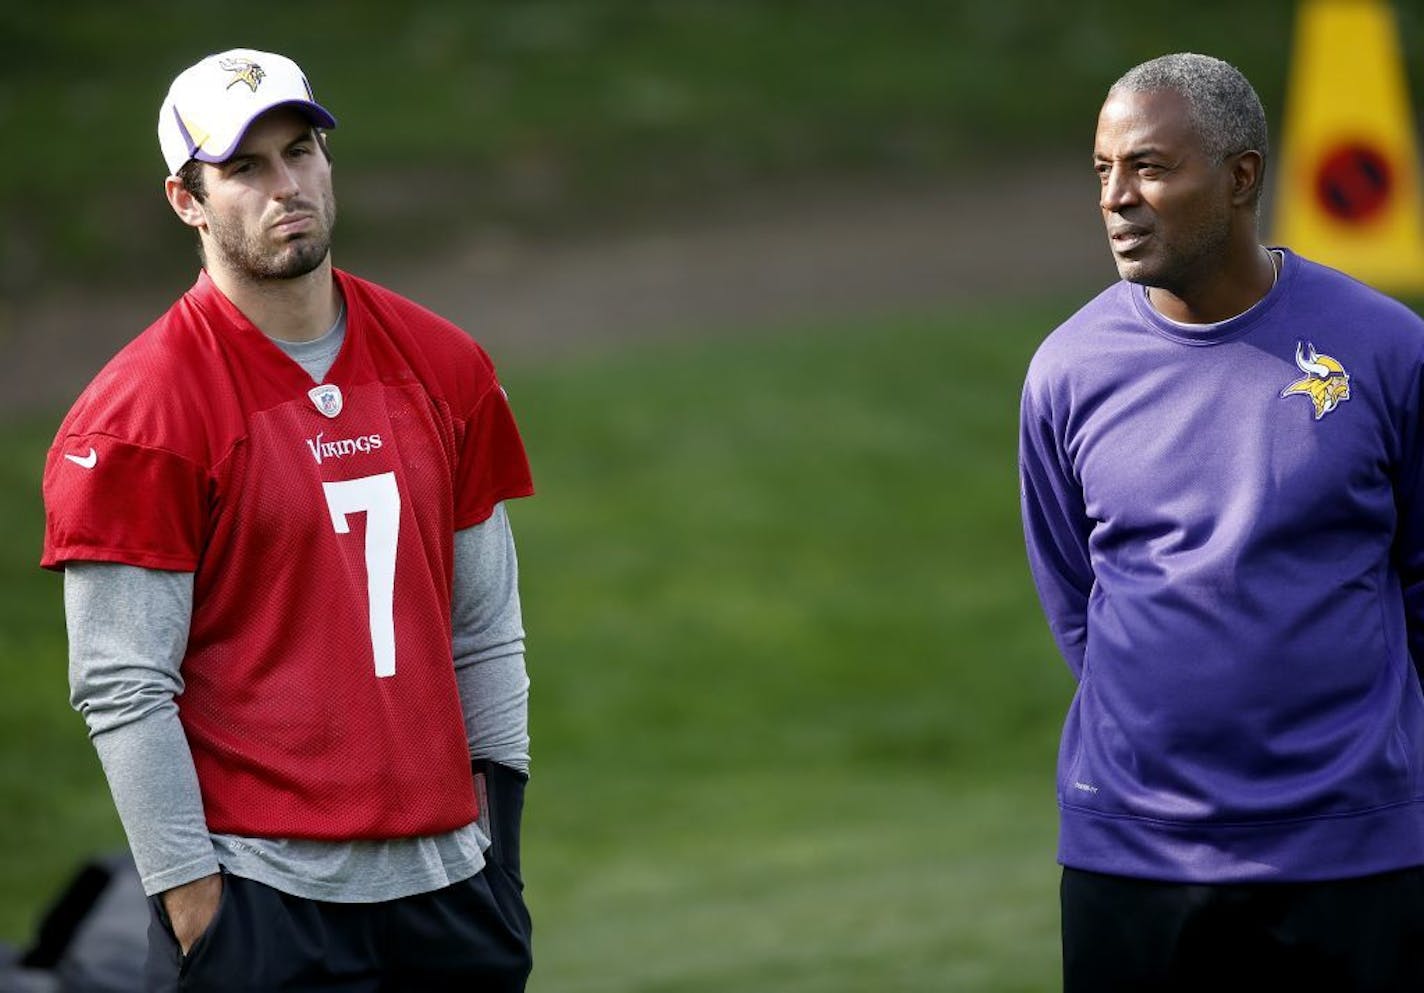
(1354, 182)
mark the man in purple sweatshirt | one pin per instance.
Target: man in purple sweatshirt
(1222, 472)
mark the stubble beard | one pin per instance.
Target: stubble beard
(253, 255)
(1177, 266)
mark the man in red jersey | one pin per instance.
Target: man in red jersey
(291, 589)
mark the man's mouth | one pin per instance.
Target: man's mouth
(1128, 238)
(292, 224)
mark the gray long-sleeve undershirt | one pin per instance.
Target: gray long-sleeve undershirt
(128, 628)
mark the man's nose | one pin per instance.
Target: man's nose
(285, 185)
(1118, 189)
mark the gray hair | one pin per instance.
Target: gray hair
(1221, 103)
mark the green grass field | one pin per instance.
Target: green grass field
(794, 707)
(794, 710)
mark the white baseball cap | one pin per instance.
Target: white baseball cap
(210, 104)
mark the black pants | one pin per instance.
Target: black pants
(1363, 935)
(471, 936)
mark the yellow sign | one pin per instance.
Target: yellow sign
(1350, 184)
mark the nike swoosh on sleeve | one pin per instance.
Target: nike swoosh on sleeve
(86, 461)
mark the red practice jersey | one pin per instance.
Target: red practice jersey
(319, 697)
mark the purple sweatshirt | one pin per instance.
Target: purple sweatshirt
(1225, 525)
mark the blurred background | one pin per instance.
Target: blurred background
(762, 278)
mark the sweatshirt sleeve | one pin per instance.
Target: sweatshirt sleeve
(1056, 527)
(1409, 502)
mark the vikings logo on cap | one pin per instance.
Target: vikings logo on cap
(326, 398)
(243, 71)
(1326, 382)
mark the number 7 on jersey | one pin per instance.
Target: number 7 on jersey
(378, 498)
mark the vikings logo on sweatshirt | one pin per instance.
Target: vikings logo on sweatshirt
(1326, 382)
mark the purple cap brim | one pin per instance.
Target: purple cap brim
(313, 111)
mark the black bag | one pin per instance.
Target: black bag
(93, 938)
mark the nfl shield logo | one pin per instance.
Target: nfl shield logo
(327, 399)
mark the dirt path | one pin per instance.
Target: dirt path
(821, 251)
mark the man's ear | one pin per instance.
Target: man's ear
(1248, 170)
(184, 204)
